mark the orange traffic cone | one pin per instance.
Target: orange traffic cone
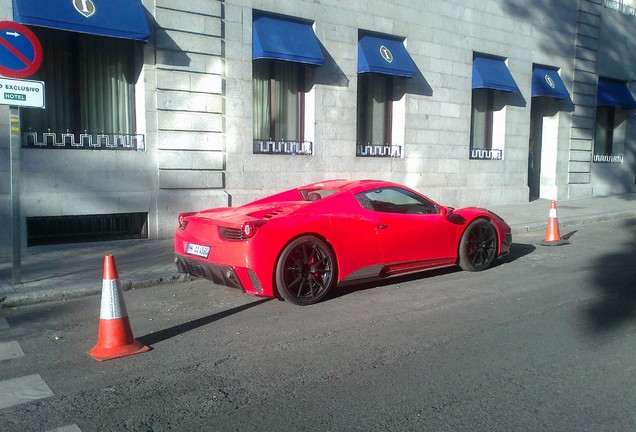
(552, 236)
(114, 336)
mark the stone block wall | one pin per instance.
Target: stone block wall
(189, 124)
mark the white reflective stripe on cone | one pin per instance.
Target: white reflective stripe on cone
(552, 213)
(113, 306)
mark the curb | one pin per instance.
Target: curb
(62, 294)
(601, 217)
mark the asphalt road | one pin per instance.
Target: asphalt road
(544, 341)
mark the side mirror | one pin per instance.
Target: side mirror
(446, 211)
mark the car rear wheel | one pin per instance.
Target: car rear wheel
(306, 271)
(478, 246)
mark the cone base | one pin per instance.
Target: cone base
(554, 242)
(102, 354)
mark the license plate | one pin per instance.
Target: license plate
(198, 250)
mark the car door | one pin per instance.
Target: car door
(410, 228)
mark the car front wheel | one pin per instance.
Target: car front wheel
(306, 271)
(478, 246)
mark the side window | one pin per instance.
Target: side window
(395, 200)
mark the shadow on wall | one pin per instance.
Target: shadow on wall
(168, 52)
(614, 178)
(557, 19)
(332, 75)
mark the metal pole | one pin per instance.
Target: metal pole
(16, 227)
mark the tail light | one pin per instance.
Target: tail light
(248, 229)
(182, 222)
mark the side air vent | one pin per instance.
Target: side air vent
(272, 214)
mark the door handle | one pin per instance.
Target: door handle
(382, 226)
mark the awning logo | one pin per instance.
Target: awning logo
(549, 81)
(386, 54)
(85, 7)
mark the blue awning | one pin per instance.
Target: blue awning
(115, 18)
(385, 56)
(614, 93)
(547, 82)
(285, 39)
(492, 73)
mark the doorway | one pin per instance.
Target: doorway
(542, 148)
(535, 144)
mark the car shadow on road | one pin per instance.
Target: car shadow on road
(162, 335)
(615, 280)
(518, 250)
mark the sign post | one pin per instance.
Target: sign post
(20, 57)
(16, 225)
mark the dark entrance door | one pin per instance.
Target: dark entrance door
(534, 152)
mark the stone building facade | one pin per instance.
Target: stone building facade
(192, 89)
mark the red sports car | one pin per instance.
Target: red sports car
(302, 242)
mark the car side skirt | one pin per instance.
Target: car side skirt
(382, 271)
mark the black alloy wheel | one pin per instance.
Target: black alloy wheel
(306, 271)
(478, 246)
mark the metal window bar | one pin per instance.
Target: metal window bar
(85, 140)
(379, 150)
(293, 148)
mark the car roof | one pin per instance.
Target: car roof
(349, 185)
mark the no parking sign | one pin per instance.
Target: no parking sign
(20, 50)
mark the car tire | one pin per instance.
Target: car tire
(305, 271)
(478, 246)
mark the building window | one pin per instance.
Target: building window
(285, 52)
(604, 132)
(487, 124)
(90, 93)
(375, 109)
(614, 101)
(279, 101)
(481, 125)
(609, 134)
(493, 88)
(384, 65)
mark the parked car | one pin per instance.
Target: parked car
(299, 244)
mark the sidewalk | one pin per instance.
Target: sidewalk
(51, 273)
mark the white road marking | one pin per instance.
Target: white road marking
(69, 428)
(22, 390)
(10, 350)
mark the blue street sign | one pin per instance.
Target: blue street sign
(20, 50)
